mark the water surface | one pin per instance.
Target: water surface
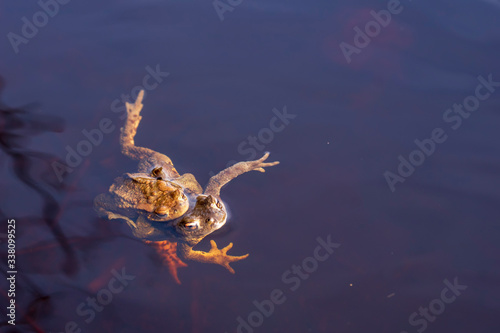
(353, 119)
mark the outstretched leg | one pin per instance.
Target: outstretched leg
(149, 159)
(168, 252)
(225, 176)
(214, 256)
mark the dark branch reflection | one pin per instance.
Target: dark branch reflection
(18, 126)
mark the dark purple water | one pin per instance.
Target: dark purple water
(405, 236)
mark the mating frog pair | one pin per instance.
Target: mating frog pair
(169, 211)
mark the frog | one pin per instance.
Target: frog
(166, 210)
(139, 194)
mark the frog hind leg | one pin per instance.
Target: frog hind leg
(149, 159)
(168, 252)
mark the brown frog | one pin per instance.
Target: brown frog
(166, 210)
(134, 195)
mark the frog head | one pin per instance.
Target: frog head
(207, 215)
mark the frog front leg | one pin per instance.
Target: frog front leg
(225, 176)
(214, 256)
(103, 205)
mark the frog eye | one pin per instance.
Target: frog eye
(156, 172)
(209, 220)
(219, 205)
(192, 225)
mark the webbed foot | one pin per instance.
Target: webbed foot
(221, 257)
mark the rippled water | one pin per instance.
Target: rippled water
(414, 231)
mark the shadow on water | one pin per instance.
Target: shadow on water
(32, 168)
